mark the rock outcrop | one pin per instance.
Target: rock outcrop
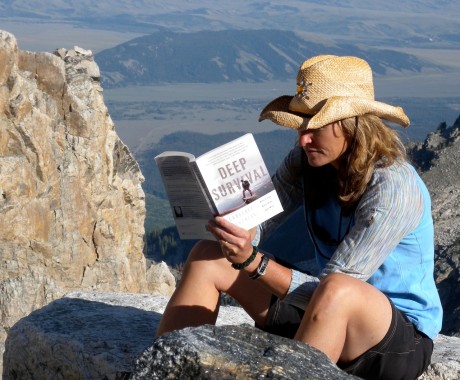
(94, 335)
(71, 203)
(438, 160)
(89, 335)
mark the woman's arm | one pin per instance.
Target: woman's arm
(390, 209)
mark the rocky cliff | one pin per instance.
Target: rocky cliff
(71, 204)
(437, 159)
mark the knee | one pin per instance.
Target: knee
(205, 250)
(208, 264)
(206, 255)
(335, 289)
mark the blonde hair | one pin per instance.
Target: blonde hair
(372, 144)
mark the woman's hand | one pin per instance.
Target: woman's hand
(235, 242)
(236, 245)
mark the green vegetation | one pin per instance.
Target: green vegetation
(165, 245)
(158, 215)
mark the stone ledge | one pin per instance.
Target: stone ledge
(91, 335)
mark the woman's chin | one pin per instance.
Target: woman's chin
(316, 161)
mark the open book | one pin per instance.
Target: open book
(231, 181)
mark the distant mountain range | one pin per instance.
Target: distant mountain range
(231, 56)
(249, 40)
(392, 22)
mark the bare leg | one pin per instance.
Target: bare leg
(196, 299)
(345, 318)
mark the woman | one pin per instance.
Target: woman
(373, 308)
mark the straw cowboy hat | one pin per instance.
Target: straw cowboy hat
(330, 88)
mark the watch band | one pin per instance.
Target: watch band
(261, 269)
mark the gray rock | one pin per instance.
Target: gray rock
(95, 335)
(437, 159)
(88, 335)
(445, 362)
(232, 352)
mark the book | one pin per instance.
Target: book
(231, 181)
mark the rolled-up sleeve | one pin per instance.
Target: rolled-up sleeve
(390, 209)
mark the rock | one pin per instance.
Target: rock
(445, 362)
(71, 202)
(448, 283)
(437, 159)
(97, 335)
(160, 280)
(88, 335)
(232, 352)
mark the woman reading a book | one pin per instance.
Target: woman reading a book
(373, 307)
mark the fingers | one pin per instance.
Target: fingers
(230, 249)
(234, 253)
(227, 231)
(235, 242)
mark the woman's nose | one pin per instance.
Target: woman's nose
(305, 138)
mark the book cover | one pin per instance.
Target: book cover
(239, 183)
(231, 181)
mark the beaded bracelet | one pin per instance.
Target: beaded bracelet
(249, 260)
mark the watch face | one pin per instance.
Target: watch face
(260, 271)
(263, 266)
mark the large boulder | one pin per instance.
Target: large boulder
(232, 352)
(94, 335)
(72, 207)
(89, 335)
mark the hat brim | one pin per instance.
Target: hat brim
(278, 112)
(336, 108)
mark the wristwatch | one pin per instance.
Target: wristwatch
(261, 269)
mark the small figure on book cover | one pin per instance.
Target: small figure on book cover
(247, 193)
(371, 305)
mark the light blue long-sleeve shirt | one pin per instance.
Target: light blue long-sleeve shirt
(387, 240)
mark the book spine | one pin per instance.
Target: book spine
(204, 188)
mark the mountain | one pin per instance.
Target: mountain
(437, 159)
(231, 56)
(395, 22)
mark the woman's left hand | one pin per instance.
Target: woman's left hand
(235, 242)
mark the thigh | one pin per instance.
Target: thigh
(403, 354)
(345, 317)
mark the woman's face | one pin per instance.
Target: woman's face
(324, 145)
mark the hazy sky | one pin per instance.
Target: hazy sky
(36, 36)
